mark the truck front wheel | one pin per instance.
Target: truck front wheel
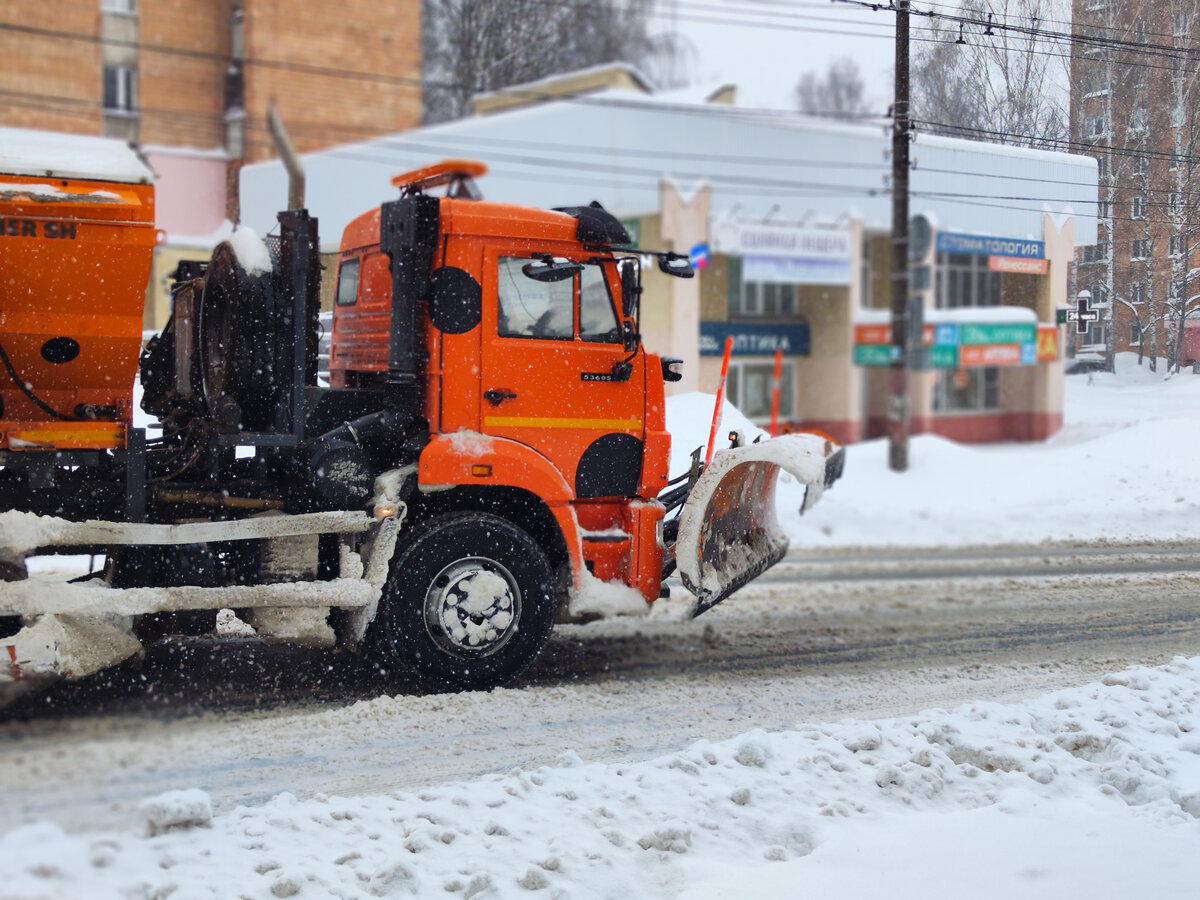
(469, 603)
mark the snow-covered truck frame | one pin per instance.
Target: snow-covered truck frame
(489, 455)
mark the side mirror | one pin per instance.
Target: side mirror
(630, 290)
(675, 264)
(551, 269)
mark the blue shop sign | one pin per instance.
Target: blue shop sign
(984, 245)
(754, 339)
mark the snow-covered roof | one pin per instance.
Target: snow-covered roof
(615, 146)
(53, 154)
(561, 83)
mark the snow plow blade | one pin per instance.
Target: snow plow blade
(728, 531)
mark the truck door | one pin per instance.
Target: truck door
(556, 374)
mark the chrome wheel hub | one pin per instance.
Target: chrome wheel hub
(472, 607)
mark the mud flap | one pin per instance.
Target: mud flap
(728, 531)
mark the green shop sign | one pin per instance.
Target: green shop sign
(872, 354)
(997, 333)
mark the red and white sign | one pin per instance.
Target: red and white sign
(1017, 266)
(989, 355)
(872, 334)
(882, 334)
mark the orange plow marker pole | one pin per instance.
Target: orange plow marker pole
(712, 432)
(775, 392)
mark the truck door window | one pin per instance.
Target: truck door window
(597, 317)
(347, 284)
(531, 308)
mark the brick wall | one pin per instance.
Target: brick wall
(323, 109)
(48, 82)
(182, 96)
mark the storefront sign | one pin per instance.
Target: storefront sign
(786, 254)
(983, 245)
(961, 344)
(752, 339)
(943, 357)
(1047, 343)
(872, 334)
(1017, 266)
(873, 354)
(990, 355)
(997, 332)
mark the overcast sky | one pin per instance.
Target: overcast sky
(764, 46)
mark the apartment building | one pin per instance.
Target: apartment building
(1135, 107)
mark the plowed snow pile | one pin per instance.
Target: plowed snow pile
(1090, 792)
(1122, 467)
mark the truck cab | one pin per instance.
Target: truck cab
(534, 377)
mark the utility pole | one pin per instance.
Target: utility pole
(898, 411)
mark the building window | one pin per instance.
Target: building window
(1098, 252)
(1174, 202)
(966, 390)
(749, 387)
(1095, 82)
(1141, 165)
(759, 298)
(1182, 23)
(1135, 333)
(1139, 119)
(1141, 248)
(125, 7)
(966, 281)
(1176, 288)
(1137, 292)
(1102, 209)
(1175, 245)
(120, 89)
(1137, 207)
(1095, 126)
(1102, 168)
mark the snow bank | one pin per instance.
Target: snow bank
(1090, 792)
(1121, 468)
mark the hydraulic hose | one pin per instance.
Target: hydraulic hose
(25, 389)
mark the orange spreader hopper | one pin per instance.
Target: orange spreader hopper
(74, 262)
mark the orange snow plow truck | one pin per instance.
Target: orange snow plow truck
(489, 456)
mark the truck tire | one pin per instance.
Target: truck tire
(469, 603)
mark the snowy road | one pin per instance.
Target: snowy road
(819, 641)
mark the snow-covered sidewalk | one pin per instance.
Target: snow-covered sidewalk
(1090, 792)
